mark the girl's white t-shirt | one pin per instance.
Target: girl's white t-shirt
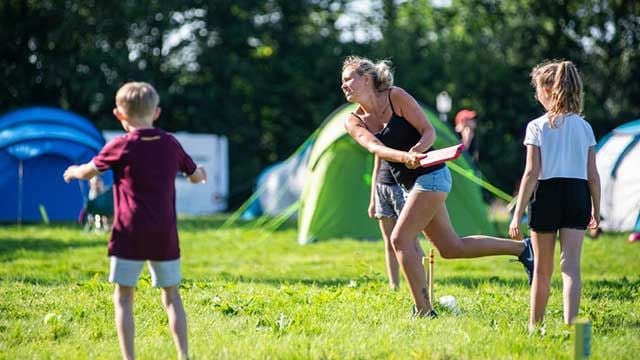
(564, 149)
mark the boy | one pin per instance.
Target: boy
(144, 162)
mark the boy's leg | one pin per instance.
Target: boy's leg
(177, 319)
(543, 251)
(166, 275)
(570, 249)
(123, 303)
(124, 273)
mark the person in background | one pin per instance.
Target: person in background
(387, 201)
(144, 163)
(561, 183)
(465, 126)
(99, 209)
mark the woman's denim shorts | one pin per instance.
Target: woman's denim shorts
(437, 181)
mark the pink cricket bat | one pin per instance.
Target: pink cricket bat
(439, 156)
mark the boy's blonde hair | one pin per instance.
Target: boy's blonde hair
(380, 72)
(563, 79)
(137, 99)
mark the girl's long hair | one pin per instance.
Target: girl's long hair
(564, 82)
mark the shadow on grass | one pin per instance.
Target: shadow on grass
(216, 222)
(10, 247)
(473, 282)
(619, 289)
(279, 281)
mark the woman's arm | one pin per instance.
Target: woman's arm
(593, 179)
(527, 186)
(365, 138)
(407, 107)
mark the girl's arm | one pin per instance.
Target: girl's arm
(407, 107)
(593, 179)
(365, 138)
(374, 178)
(527, 186)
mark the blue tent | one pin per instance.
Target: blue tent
(618, 156)
(36, 145)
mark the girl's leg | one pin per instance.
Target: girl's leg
(450, 246)
(386, 227)
(123, 304)
(570, 249)
(418, 211)
(543, 250)
(177, 319)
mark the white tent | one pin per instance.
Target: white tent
(618, 159)
(210, 151)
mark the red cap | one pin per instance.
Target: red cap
(465, 115)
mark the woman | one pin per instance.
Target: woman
(390, 124)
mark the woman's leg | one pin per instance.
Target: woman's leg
(543, 250)
(386, 227)
(570, 249)
(450, 246)
(418, 211)
(427, 211)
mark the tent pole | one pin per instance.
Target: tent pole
(20, 186)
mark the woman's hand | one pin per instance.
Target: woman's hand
(419, 148)
(514, 228)
(412, 159)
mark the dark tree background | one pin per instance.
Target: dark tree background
(266, 73)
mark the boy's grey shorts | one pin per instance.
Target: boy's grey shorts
(126, 272)
(389, 200)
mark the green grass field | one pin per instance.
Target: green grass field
(251, 294)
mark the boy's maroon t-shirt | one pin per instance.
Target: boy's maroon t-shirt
(144, 163)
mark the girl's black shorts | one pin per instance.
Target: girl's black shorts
(560, 203)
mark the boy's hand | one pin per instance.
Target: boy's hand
(70, 173)
(198, 176)
(80, 172)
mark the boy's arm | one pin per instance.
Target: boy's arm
(198, 176)
(82, 172)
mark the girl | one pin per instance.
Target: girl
(561, 175)
(390, 124)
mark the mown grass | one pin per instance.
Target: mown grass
(250, 294)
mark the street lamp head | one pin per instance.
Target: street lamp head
(443, 102)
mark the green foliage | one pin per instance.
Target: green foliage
(266, 73)
(253, 294)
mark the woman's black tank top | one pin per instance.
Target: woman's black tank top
(384, 174)
(399, 134)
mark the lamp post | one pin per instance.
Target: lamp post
(443, 104)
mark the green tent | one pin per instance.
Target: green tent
(337, 188)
